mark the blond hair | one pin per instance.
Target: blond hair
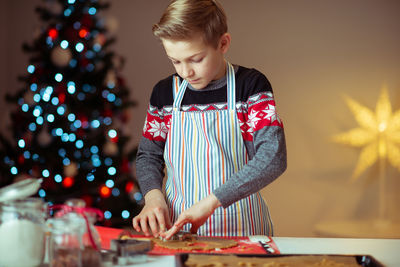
(183, 18)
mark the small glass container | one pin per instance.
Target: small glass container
(65, 243)
(74, 239)
(22, 225)
(91, 239)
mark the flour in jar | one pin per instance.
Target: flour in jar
(21, 243)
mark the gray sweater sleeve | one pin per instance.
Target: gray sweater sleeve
(267, 163)
(150, 165)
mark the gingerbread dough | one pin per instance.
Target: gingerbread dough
(202, 244)
(281, 261)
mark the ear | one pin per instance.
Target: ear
(224, 42)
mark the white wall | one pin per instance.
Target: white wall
(312, 51)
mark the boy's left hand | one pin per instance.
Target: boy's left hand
(197, 215)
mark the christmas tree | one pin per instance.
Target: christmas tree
(67, 126)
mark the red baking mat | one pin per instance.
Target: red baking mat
(107, 234)
(245, 246)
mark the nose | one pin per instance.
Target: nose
(186, 71)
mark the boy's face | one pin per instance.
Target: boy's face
(196, 61)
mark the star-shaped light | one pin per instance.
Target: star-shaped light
(378, 133)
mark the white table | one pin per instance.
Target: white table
(386, 251)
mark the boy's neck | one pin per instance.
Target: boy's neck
(215, 84)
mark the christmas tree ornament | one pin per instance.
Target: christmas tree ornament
(53, 33)
(111, 79)
(44, 138)
(129, 186)
(111, 24)
(60, 57)
(28, 98)
(68, 182)
(61, 98)
(54, 6)
(105, 192)
(100, 39)
(83, 32)
(71, 169)
(110, 148)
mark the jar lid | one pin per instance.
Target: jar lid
(20, 190)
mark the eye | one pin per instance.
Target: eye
(197, 60)
(175, 62)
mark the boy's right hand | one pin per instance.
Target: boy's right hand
(154, 215)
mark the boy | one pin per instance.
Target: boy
(214, 127)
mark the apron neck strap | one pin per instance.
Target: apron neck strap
(231, 86)
(180, 88)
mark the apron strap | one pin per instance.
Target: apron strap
(179, 91)
(175, 85)
(231, 86)
(180, 88)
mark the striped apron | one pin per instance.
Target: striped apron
(203, 149)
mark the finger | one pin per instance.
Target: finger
(135, 224)
(168, 223)
(161, 221)
(173, 230)
(182, 220)
(153, 225)
(144, 226)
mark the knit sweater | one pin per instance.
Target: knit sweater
(261, 128)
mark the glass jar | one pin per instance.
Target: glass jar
(73, 221)
(22, 232)
(90, 235)
(65, 242)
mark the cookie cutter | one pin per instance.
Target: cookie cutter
(182, 236)
(130, 251)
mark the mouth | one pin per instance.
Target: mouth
(194, 81)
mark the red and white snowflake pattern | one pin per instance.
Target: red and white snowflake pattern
(270, 114)
(157, 129)
(257, 113)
